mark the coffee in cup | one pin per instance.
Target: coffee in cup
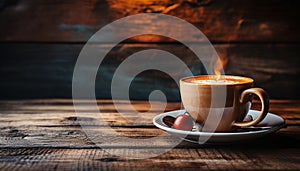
(221, 103)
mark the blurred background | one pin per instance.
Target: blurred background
(40, 41)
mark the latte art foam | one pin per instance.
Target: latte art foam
(212, 82)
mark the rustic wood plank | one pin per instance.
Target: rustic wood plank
(40, 128)
(66, 136)
(47, 112)
(221, 21)
(176, 159)
(45, 70)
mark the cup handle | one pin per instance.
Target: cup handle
(263, 96)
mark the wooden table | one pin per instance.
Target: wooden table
(46, 135)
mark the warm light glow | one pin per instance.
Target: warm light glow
(218, 63)
(217, 68)
(218, 74)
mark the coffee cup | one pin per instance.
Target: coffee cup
(221, 103)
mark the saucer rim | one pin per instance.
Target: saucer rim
(272, 128)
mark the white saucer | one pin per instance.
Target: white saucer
(271, 123)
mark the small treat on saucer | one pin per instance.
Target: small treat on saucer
(184, 122)
(169, 121)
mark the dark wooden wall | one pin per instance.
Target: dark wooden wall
(40, 41)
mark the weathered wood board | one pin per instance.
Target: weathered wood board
(46, 70)
(221, 21)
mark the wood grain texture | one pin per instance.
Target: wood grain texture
(176, 159)
(46, 70)
(43, 135)
(221, 21)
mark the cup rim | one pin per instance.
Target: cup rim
(244, 80)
